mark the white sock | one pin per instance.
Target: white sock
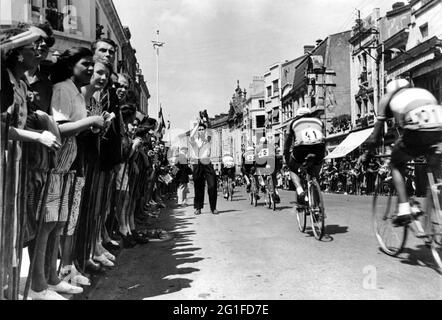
(404, 209)
(299, 190)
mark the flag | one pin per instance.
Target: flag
(161, 123)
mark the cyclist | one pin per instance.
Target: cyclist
(306, 136)
(248, 166)
(228, 174)
(266, 165)
(417, 113)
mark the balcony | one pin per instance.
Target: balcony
(365, 121)
(58, 21)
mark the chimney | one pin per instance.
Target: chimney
(308, 49)
(398, 5)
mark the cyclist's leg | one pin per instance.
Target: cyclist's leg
(399, 158)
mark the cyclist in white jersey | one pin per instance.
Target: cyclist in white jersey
(419, 115)
(306, 136)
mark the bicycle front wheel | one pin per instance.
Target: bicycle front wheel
(317, 215)
(391, 239)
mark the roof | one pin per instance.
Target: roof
(299, 78)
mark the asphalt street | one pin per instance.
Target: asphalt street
(255, 254)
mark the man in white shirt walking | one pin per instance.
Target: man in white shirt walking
(200, 142)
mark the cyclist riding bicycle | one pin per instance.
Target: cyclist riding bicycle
(228, 172)
(306, 137)
(417, 113)
(266, 165)
(248, 168)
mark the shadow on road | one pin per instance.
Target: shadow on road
(418, 256)
(153, 269)
(335, 229)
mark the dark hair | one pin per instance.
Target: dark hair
(47, 28)
(63, 68)
(127, 111)
(106, 40)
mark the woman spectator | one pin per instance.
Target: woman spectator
(98, 82)
(14, 64)
(72, 71)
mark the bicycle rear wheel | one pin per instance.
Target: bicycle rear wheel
(436, 238)
(302, 219)
(391, 239)
(317, 216)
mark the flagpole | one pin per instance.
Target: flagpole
(157, 45)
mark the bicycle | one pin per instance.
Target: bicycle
(270, 192)
(228, 188)
(392, 239)
(253, 191)
(315, 207)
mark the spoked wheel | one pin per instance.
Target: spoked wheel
(317, 211)
(391, 239)
(269, 200)
(436, 238)
(302, 219)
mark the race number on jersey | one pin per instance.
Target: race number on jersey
(264, 153)
(426, 117)
(311, 136)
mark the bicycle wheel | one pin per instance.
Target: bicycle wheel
(302, 219)
(317, 210)
(390, 238)
(436, 237)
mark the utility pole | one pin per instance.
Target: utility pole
(157, 45)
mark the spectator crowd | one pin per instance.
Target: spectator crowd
(83, 172)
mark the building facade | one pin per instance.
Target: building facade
(80, 23)
(365, 72)
(421, 61)
(254, 113)
(272, 80)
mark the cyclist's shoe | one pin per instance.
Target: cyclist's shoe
(277, 198)
(402, 221)
(302, 199)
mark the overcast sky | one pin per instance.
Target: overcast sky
(210, 44)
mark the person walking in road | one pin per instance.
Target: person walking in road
(182, 177)
(202, 167)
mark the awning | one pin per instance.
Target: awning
(350, 143)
